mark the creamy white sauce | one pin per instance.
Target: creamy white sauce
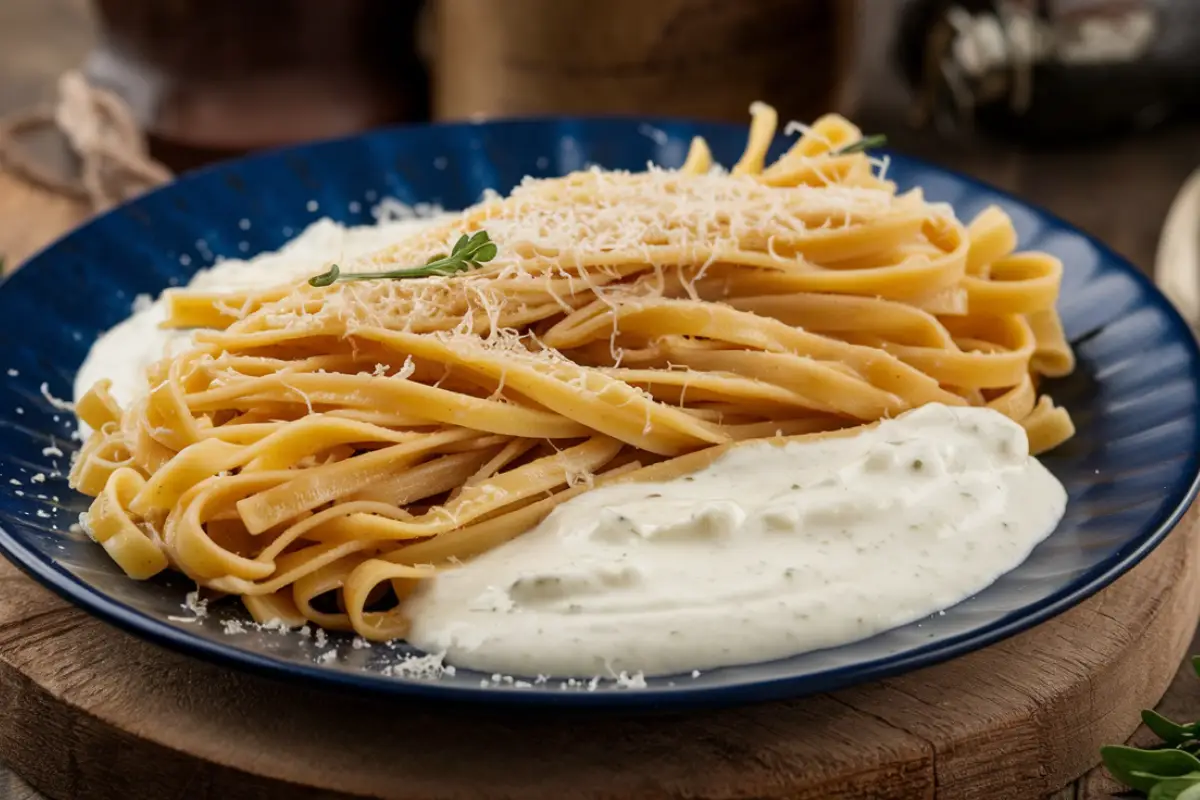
(769, 552)
(125, 352)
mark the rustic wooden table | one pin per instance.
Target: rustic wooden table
(1119, 191)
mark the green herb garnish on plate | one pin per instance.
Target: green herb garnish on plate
(865, 143)
(469, 252)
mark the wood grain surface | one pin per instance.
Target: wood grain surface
(30, 218)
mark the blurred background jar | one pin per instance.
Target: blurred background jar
(1050, 71)
(213, 78)
(691, 58)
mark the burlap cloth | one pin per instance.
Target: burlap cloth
(109, 154)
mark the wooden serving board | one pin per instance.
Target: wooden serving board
(31, 218)
(91, 712)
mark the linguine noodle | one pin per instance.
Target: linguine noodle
(320, 449)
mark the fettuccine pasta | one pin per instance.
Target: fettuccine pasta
(319, 449)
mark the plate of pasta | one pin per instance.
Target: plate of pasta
(597, 412)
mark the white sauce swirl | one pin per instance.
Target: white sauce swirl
(768, 552)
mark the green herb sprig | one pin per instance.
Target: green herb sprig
(865, 143)
(1170, 771)
(469, 252)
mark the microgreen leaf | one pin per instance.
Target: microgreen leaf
(326, 278)
(486, 253)
(475, 242)
(865, 143)
(469, 252)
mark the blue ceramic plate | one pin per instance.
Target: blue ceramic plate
(1130, 471)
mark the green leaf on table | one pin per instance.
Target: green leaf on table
(1185, 787)
(1170, 732)
(1142, 769)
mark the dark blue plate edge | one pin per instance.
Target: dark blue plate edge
(162, 633)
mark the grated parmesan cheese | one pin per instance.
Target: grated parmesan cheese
(635, 681)
(194, 603)
(56, 402)
(426, 667)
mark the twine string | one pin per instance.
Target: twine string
(114, 160)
